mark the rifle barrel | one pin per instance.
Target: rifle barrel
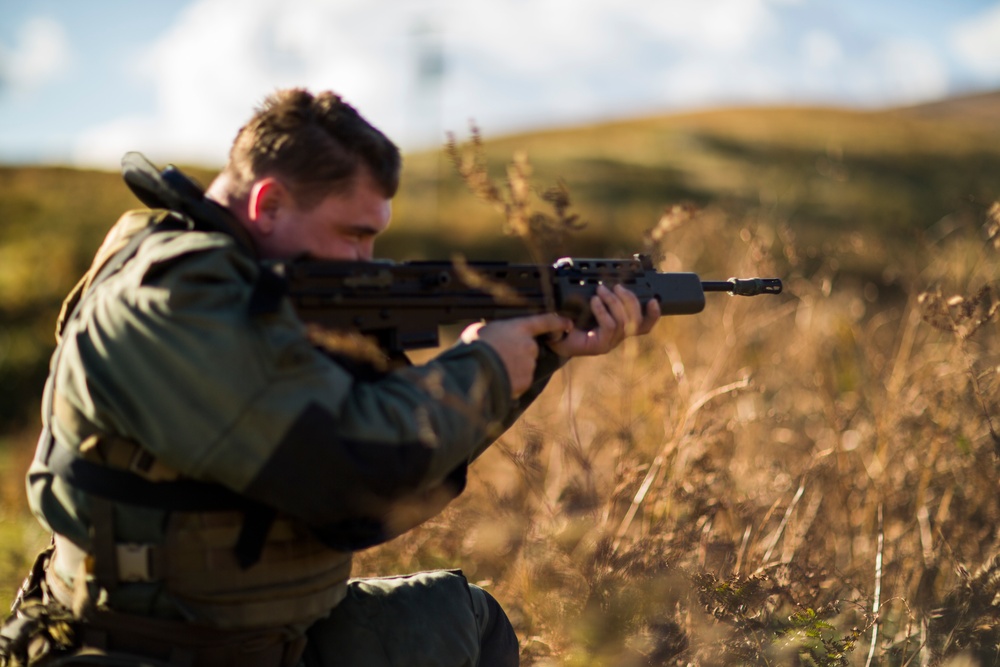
(743, 286)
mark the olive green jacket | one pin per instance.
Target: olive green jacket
(166, 353)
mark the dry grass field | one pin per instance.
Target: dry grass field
(808, 479)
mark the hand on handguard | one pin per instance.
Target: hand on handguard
(618, 315)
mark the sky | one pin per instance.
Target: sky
(81, 83)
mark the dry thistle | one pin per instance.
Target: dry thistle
(969, 618)
(959, 315)
(673, 218)
(963, 317)
(543, 234)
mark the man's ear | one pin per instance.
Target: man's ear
(267, 197)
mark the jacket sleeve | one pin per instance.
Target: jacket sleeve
(548, 363)
(174, 360)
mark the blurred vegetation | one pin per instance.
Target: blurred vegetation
(808, 479)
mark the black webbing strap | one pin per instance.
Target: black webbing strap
(102, 533)
(182, 495)
(257, 523)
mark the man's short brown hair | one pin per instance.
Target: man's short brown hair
(316, 143)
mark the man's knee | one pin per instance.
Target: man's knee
(496, 635)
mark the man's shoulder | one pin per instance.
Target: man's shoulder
(174, 268)
(178, 250)
(176, 236)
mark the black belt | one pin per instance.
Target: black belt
(182, 495)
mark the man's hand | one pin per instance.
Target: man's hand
(618, 314)
(515, 341)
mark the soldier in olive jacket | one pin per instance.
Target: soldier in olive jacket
(207, 471)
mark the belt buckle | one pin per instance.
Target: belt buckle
(134, 562)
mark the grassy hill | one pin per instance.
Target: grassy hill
(824, 171)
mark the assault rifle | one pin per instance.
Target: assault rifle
(401, 305)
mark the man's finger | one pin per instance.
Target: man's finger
(558, 336)
(602, 315)
(613, 301)
(536, 325)
(651, 317)
(633, 309)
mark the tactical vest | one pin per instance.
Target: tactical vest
(225, 558)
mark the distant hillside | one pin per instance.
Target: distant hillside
(973, 108)
(893, 175)
(861, 186)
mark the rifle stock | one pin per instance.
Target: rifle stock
(402, 305)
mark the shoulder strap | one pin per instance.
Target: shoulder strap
(172, 189)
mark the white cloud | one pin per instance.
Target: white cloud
(821, 49)
(977, 42)
(104, 146)
(509, 64)
(911, 72)
(224, 56)
(40, 55)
